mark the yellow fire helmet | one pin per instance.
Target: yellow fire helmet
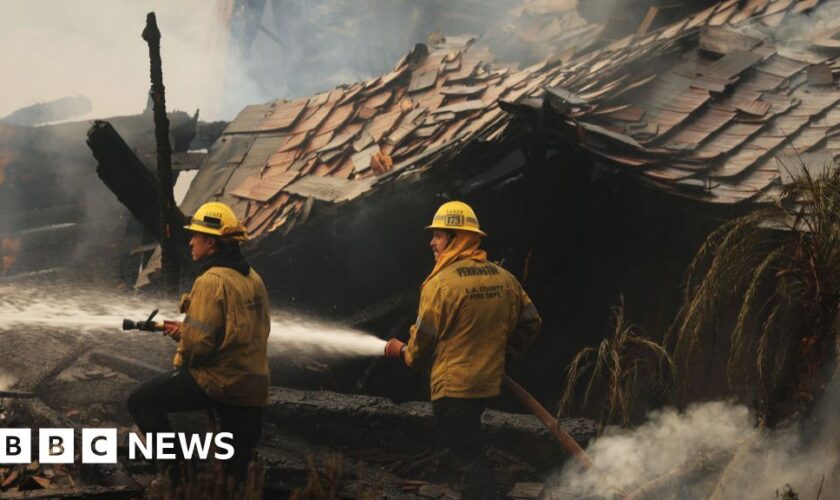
(217, 219)
(456, 215)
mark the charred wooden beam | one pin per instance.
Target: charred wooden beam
(166, 200)
(362, 421)
(16, 394)
(81, 492)
(127, 177)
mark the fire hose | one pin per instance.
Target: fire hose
(549, 422)
(394, 348)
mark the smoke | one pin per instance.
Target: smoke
(668, 439)
(55, 48)
(700, 442)
(218, 55)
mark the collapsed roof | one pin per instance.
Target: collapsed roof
(695, 108)
(336, 145)
(714, 107)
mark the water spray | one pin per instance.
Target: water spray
(84, 309)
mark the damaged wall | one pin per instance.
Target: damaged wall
(55, 213)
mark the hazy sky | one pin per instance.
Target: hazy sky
(53, 48)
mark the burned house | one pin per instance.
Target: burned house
(596, 177)
(49, 193)
(597, 174)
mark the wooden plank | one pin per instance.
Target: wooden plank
(756, 107)
(361, 160)
(378, 100)
(461, 107)
(422, 80)
(283, 115)
(463, 90)
(329, 189)
(382, 124)
(629, 114)
(263, 189)
(293, 142)
(336, 119)
(820, 74)
(80, 492)
(647, 21)
(722, 41)
(731, 64)
(312, 121)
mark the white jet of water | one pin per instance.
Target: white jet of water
(86, 310)
(7, 381)
(291, 335)
(83, 309)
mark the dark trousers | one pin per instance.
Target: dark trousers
(177, 391)
(459, 422)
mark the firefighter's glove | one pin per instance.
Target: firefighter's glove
(172, 329)
(394, 349)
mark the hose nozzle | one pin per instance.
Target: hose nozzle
(394, 349)
(146, 326)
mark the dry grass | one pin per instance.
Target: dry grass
(322, 483)
(773, 292)
(210, 483)
(626, 367)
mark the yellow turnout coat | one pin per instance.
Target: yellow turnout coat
(472, 313)
(224, 336)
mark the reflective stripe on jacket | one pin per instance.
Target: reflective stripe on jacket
(471, 315)
(224, 336)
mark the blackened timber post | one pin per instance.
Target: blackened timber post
(535, 151)
(169, 254)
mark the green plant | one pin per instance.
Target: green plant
(625, 368)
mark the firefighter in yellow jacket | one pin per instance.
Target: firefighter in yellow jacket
(221, 362)
(472, 315)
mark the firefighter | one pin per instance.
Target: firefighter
(472, 315)
(221, 362)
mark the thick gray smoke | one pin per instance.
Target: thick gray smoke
(623, 459)
(709, 435)
(218, 55)
(90, 47)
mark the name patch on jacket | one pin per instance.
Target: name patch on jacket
(488, 270)
(484, 292)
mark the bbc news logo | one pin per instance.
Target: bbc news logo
(99, 446)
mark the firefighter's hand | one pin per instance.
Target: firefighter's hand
(172, 329)
(394, 348)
